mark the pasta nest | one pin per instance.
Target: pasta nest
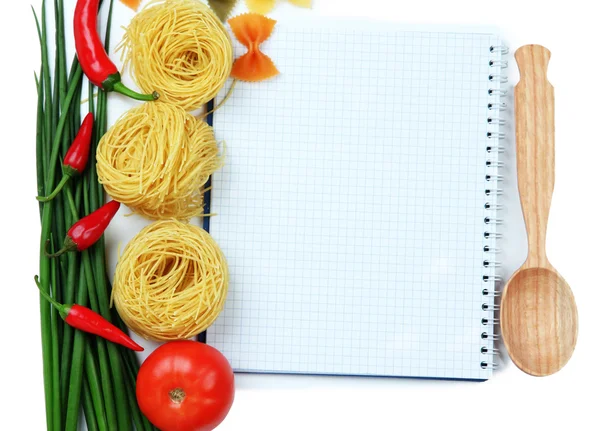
(171, 281)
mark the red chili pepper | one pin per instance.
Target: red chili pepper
(87, 320)
(76, 158)
(93, 58)
(88, 230)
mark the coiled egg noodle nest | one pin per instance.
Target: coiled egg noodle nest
(171, 281)
(156, 159)
(180, 49)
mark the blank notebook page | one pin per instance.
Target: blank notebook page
(351, 204)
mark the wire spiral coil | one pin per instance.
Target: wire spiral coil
(494, 135)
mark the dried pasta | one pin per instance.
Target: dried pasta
(156, 159)
(266, 6)
(180, 49)
(171, 281)
(252, 29)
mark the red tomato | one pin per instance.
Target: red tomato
(185, 386)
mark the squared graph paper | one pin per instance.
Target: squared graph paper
(351, 205)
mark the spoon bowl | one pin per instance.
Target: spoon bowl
(539, 320)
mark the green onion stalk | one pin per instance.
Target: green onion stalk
(81, 372)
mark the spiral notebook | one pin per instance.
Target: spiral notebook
(357, 207)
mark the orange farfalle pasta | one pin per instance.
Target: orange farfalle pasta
(132, 4)
(251, 30)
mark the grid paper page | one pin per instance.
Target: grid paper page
(351, 205)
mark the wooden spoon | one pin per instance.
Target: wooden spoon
(538, 311)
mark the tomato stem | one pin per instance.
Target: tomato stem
(177, 395)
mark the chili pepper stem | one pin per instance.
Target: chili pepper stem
(65, 179)
(69, 245)
(62, 309)
(119, 87)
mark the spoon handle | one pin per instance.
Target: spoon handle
(534, 119)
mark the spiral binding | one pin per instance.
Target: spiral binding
(494, 164)
(493, 191)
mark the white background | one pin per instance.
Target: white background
(511, 400)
